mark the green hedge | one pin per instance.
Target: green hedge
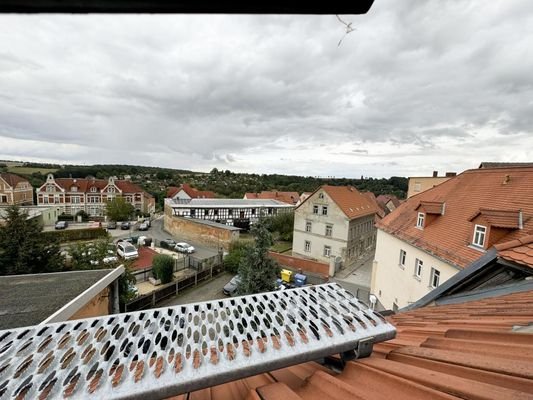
(163, 268)
(68, 235)
(64, 217)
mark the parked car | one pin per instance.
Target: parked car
(61, 224)
(147, 222)
(230, 288)
(143, 227)
(112, 225)
(125, 225)
(127, 250)
(183, 247)
(168, 244)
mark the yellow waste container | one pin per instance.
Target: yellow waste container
(286, 275)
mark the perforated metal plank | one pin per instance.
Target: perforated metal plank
(167, 351)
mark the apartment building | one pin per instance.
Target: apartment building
(419, 184)
(15, 190)
(433, 235)
(70, 195)
(186, 192)
(335, 221)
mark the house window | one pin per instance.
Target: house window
(74, 189)
(230, 212)
(111, 189)
(329, 230)
(50, 188)
(93, 189)
(193, 213)
(435, 278)
(327, 251)
(308, 226)
(403, 255)
(269, 211)
(420, 220)
(324, 210)
(418, 268)
(215, 212)
(75, 199)
(480, 232)
(307, 246)
(321, 196)
(315, 209)
(253, 211)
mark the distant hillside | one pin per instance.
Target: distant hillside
(224, 183)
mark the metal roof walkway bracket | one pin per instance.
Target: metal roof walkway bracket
(164, 352)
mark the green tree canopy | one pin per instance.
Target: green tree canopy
(23, 247)
(163, 267)
(119, 210)
(258, 272)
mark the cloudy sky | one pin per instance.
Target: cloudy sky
(418, 86)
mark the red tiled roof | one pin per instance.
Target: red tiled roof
(84, 185)
(448, 236)
(519, 251)
(285, 197)
(385, 198)
(431, 207)
(372, 197)
(353, 203)
(12, 179)
(191, 192)
(499, 218)
(460, 351)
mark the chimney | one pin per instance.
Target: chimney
(507, 179)
(435, 174)
(451, 174)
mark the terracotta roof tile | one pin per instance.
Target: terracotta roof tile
(465, 351)
(12, 179)
(286, 197)
(448, 236)
(191, 192)
(518, 250)
(352, 202)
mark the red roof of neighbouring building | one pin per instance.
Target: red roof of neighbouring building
(285, 197)
(352, 203)
(84, 185)
(491, 195)
(191, 192)
(380, 209)
(385, 198)
(12, 179)
(519, 250)
(459, 351)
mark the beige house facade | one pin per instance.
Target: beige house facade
(419, 184)
(334, 222)
(403, 273)
(15, 190)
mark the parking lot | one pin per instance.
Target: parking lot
(211, 290)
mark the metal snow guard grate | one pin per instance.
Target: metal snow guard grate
(168, 351)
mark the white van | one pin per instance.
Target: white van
(127, 251)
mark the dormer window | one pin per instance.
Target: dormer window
(111, 189)
(420, 220)
(74, 189)
(321, 196)
(480, 232)
(93, 189)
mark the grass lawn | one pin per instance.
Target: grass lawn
(281, 247)
(30, 170)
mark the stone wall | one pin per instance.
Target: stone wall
(210, 235)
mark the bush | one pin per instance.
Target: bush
(163, 268)
(76, 234)
(84, 216)
(65, 217)
(236, 252)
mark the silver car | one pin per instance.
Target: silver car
(183, 247)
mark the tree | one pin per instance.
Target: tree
(91, 255)
(283, 224)
(163, 268)
(258, 272)
(23, 247)
(236, 253)
(119, 210)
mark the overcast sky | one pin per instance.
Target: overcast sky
(418, 86)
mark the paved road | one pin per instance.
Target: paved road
(211, 290)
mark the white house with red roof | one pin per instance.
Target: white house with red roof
(186, 192)
(435, 234)
(71, 195)
(334, 221)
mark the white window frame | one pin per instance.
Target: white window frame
(434, 279)
(50, 188)
(307, 246)
(481, 235)
(315, 210)
(420, 219)
(111, 189)
(325, 210)
(93, 189)
(419, 265)
(308, 226)
(327, 251)
(403, 256)
(329, 230)
(73, 188)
